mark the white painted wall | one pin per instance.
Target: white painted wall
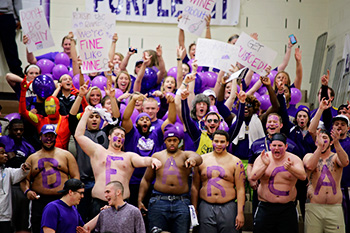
(266, 17)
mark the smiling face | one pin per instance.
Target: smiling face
(66, 46)
(95, 97)
(48, 141)
(228, 90)
(123, 81)
(278, 149)
(185, 70)
(32, 73)
(66, 82)
(273, 124)
(117, 59)
(117, 138)
(169, 84)
(212, 123)
(220, 143)
(192, 51)
(94, 122)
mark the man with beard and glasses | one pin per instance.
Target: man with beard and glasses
(140, 139)
(219, 182)
(110, 164)
(278, 172)
(51, 167)
(18, 149)
(168, 206)
(324, 210)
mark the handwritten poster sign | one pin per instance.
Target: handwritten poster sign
(225, 12)
(93, 47)
(35, 26)
(94, 19)
(193, 15)
(214, 53)
(253, 54)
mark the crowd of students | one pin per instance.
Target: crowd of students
(149, 106)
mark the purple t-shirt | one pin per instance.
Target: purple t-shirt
(60, 217)
(143, 146)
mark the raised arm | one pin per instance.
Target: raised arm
(74, 54)
(83, 90)
(310, 160)
(260, 165)
(324, 104)
(89, 147)
(30, 56)
(179, 74)
(110, 91)
(162, 71)
(171, 112)
(141, 73)
(286, 57)
(126, 59)
(112, 48)
(295, 167)
(207, 30)
(126, 121)
(299, 69)
(31, 117)
(342, 156)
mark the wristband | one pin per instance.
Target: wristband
(25, 192)
(178, 59)
(185, 84)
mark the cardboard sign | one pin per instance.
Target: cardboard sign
(193, 15)
(35, 26)
(92, 20)
(216, 54)
(93, 46)
(253, 54)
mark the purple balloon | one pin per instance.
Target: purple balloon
(172, 72)
(103, 93)
(99, 81)
(213, 108)
(255, 78)
(272, 75)
(202, 75)
(132, 83)
(257, 95)
(11, 116)
(43, 86)
(262, 90)
(265, 102)
(71, 73)
(45, 66)
(295, 95)
(177, 118)
(170, 93)
(75, 80)
(155, 68)
(198, 84)
(59, 70)
(190, 64)
(210, 78)
(62, 58)
(118, 92)
(149, 80)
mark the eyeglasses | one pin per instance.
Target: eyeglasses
(215, 120)
(81, 193)
(248, 105)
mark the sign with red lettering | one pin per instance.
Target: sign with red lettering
(35, 26)
(93, 45)
(253, 54)
(214, 53)
(193, 15)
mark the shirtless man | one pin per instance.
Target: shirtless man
(278, 172)
(222, 176)
(168, 206)
(324, 168)
(50, 168)
(111, 164)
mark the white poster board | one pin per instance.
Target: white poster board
(253, 54)
(35, 26)
(193, 15)
(92, 20)
(214, 53)
(93, 45)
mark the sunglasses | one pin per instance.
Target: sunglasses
(248, 105)
(215, 120)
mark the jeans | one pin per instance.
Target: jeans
(172, 216)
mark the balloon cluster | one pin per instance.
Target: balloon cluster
(57, 68)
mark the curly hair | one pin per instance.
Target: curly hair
(254, 101)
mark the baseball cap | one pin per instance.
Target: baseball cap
(48, 128)
(209, 92)
(171, 131)
(342, 118)
(72, 184)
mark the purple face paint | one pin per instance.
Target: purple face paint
(115, 138)
(110, 171)
(45, 173)
(170, 163)
(213, 181)
(272, 179)
(325, 172)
